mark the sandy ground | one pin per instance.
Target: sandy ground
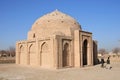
(17, 72)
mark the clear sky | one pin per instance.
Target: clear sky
(101, 17)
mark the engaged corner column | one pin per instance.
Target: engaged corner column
(77, 48)
(17, 61)
(55, 52)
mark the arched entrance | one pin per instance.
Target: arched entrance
(85, 50)
(66, 55)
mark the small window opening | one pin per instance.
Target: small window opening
(74, 23)
(62, 21)
(34, 35)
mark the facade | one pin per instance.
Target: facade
(56, 40)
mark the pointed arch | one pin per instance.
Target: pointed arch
(21, 54)
(44, 54)
(44, 47)
(29, 48)
(31, 54)
(66, 55)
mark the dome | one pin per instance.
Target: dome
(55, 22)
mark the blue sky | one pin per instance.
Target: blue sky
(101, 17)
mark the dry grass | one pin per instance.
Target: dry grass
(115, 59)
(4, 60)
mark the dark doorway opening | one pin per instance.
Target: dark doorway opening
(85, 43)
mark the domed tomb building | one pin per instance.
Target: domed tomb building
(56, 40)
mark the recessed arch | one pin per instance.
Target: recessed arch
(44, 47)
(31, 48)
(44, 54)
(66, 55)
(32, 54)
(20, 60)
(29, 54)
(21, 46)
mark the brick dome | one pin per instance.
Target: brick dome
(56, 23)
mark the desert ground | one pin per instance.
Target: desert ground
(17, 72)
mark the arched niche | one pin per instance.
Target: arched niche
(66, 55)
(44, 54)
(31, 54)
(21, 54)
(44, 47)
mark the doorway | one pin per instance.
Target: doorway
(85, 50)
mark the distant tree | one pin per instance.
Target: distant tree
(102, 51)
(116, 50)
(8, 52)
(11, 51)
(3, 53)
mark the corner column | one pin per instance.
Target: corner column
(55, 52)
(17, 54)
(77, 48)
